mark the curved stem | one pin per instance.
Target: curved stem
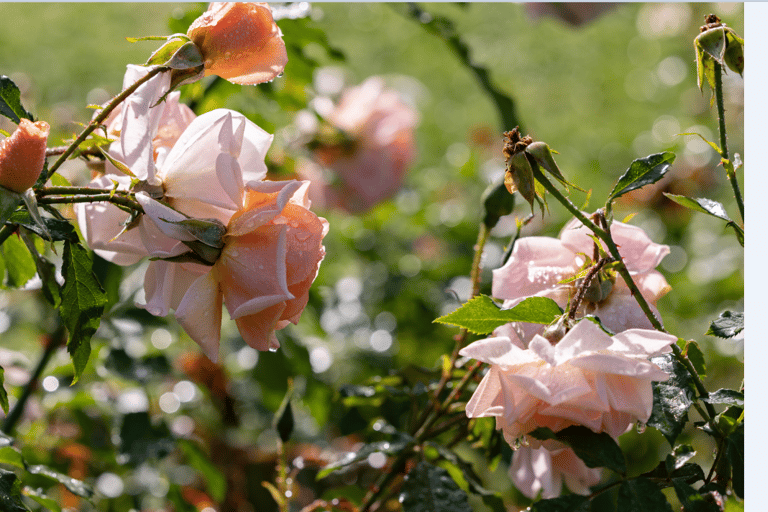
(96, 122)
(731, 173)
(95, 198)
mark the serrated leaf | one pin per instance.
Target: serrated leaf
(671, 399)
(47, 273)
(428, 488)
(641, 495)
(10, 493)
(725, 396)
(690, 498)
(569, 503)
(735, 453)
(595, 450)
(481, 315)
(696, 356)
(19, 263)
(727, 325)
(214, 478)
(643, 171)
(38, 496)
(82, 304)
(10, 101)
(73, 485)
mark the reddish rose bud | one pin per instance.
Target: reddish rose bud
(240, 42)
(22, 155)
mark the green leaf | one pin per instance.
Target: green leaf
(702, 205)
(696, 356)
(10, 101)
(734, 52)
(643, 171)
(9, 201)
(214, 479)
(641, 495)
(568, 503)
(57, 228)
(385, 447)
(690, 498)
(467, 472)
(679, 456)
(481, 315)
(671, 399)
(10, 493)
(82, 304)
(727, 325)
(596, 450)
(38, 496)
(74, 486)
(46, 271)
(428, 488)
(735, 453)
(19, 263)
(497, 202)
(725, 396)
(3, 392)
(11, 456)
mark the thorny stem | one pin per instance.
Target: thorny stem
(96, 122)
(622, 268)
(576, 302)
(724, 138)
(116, 199)
(57, 340)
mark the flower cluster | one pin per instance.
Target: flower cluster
(217, 233)
(588, 377)
(369, 147)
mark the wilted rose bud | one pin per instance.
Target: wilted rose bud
(22, 155)
(240, 42)
(519, 177)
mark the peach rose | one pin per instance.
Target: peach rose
(240, 42)
(544, 467)
(537, 265)
(271, 255)
(588, 378)
(22, 155)
(380, 127)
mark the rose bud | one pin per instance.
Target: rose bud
(240, 42)
(22, 155)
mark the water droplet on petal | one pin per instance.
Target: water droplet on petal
(273, 349)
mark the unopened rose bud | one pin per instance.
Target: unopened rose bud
(240, 42)
(22, 155)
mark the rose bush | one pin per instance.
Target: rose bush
(240, 42)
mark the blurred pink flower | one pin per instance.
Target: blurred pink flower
(22, 155)
(240, 42)
(196, 165)
(538, 264)
(271, 255)
(380, 148)
(544, 467)
(588, 378)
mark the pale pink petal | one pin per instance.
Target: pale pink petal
(166, 283)
(630, 395)
(258, 329)
(164, 218)
(498, 351)
(586, 336)
(532, 472)
(644, 342)
(199, 313)
(485, 399)
(263, 207)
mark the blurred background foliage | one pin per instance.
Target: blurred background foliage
(601, 93)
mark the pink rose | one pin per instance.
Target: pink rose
(271, 255)
(588, 378)
(22, 155)
(380, 127)
(240, 42)
(544, 467)
(538, 264)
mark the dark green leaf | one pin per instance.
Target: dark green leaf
(140, 440)
(82, 304)
(735, 453)
(141, 370)
(19, 263)
(10, 101)
(57, 228)
(497, 202)
(725, 396)
(428, 488)
(671, 399)
(481, 315)
(727, 325)
(215, 479)
(679, 456)
(46, 271)
(386, 447)
(569, 503)
(641, 495)
(9, 201)
(643, 171)
(74, 486)
(3, 392)
(38, 496)
(696, 356)
(596, 450)
(470, 477)
(10, 493)
(690, 498)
